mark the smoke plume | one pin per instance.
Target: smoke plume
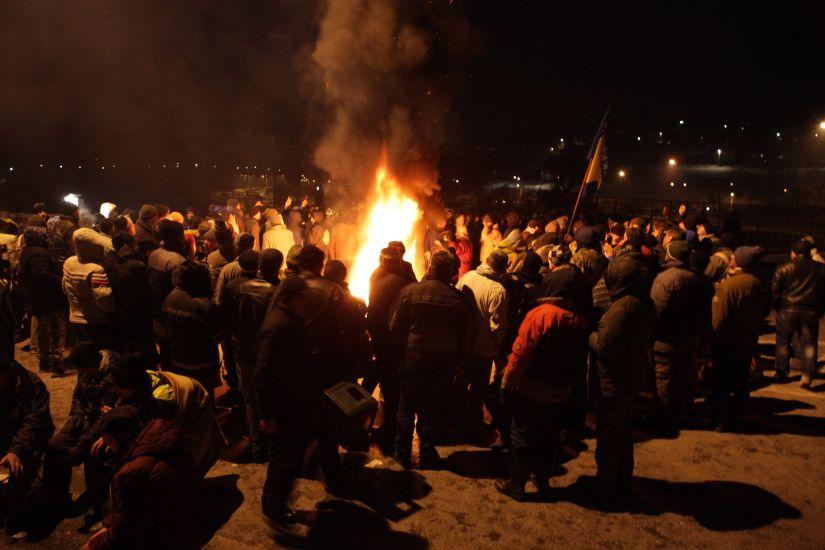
(374, 62)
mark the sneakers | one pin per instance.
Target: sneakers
(805, 382)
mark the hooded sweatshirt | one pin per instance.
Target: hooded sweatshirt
(85, 281)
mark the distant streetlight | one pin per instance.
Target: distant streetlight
(672, 184)
(822, 125)
(622, 173)
(684, 184)
(11, 168)
(718, 156)
(61, 167)
(732, 194)
(638, 138)
(785, 190)
(725, 126)
(681, 123)
(731, 184)
(778, 134)
(671, 161)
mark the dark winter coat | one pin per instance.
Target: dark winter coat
(60, 230)
(682, 303)
(799, 286)
(91, 393)
(740, 304)
(163, 266)
(25, 421)
(386, 283)
(153, 493)
(129, 279)
(328, 347)
(433, 324)
(145, 239)
(252, 300)
(283, 378)
(620, 345)
(193, 325)
(41, 277)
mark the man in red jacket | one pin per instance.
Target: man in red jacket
(548, 356)
(154, 487)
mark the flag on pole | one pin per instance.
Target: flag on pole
(596, 164)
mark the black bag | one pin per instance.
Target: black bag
(349, 411)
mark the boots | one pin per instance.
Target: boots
(519, 472)
(543, 466)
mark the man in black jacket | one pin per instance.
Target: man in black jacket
(798, 291)
(129, 279)
(25, 428)
(432, 325)
(285, 396)
(252, 299)
(93, 396)
(386, 282)
(620, 350)
(40, 283)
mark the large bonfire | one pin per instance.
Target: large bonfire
(392, 216)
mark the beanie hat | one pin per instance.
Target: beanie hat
(678, 251)
(148, 212)
(335, 271)
(587, 237)
(84, 355)
(271, 260)
(170, 231)
(748, 256)
(248, 261)
(389, 255)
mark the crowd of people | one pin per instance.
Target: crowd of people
(514, 333)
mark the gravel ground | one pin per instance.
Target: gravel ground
(761, 488)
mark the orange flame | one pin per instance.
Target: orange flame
(392, 217)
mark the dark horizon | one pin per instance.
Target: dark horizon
(222, 83)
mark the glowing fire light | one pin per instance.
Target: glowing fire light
(392, 217)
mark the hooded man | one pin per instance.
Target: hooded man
(129, 278)
(278, 236)
(549, 357)
(798, 291)
(620, 348)
(145, 236)
(740, 304)
(682, 304)
(483, 288)
(154, 488)
(92, 306)
(40, 279)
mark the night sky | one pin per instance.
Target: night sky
(149, 82)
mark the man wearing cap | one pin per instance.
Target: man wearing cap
(145, 230)
(798, 291)
(93, 397)
(25, 429)
(740, 304)
(681, 307)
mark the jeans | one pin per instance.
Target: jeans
(422, 393)
(57, 472)
(806, 325)
(245, 379)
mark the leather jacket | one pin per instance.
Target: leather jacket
(799, 285)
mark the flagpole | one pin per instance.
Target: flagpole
(599, 133)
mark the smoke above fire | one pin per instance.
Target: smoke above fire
(372, 60)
